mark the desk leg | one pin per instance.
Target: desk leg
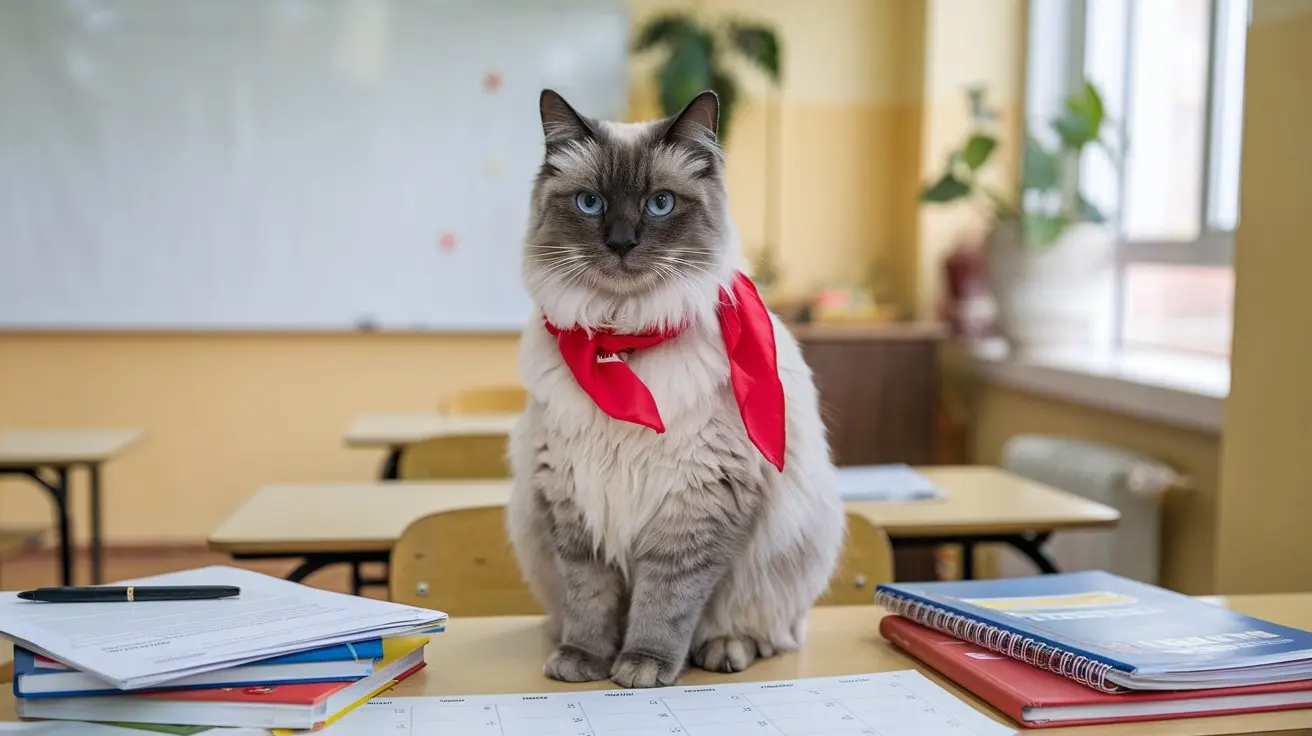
(310, 566)
(392, 465)
(1031, 544)
(60, 492)
(97, 544)
(313, 563)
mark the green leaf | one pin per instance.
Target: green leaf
(1088, 212)
(665, 29)
(1080, 123)
(978, 150)
(760, 45)
(686, 73)
(1040, 168)
(946, 189)
(1043, 230)
(727, 90)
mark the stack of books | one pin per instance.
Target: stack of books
(1092, 647)
(277, 656)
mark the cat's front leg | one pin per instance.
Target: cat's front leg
(681, 557)
(592, 592)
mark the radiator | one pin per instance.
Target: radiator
(1130, 483)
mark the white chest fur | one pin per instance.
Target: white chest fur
(619, 473)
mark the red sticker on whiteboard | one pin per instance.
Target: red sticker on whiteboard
(447, 242)
(491, 82)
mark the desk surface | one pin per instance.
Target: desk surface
(505, 655)
(344, 517)
(986, 500)
(347, 517)
(21, 448)
(394, 430)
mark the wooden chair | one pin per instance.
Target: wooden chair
(486, 400)
(468, 456)
(866, 561)
(460, 562)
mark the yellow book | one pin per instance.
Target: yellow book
(391, 668)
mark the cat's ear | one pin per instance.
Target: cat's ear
(698, 121)
(560, 122)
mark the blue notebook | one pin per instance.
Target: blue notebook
(37, 677)
(1108, 632)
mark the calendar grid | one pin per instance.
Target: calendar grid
(858, 705)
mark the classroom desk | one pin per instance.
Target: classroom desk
(986, 504)
(329, 523)
(393, 432)
(505, 655)
(46, 456)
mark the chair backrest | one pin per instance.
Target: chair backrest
(466, 456)
(866, 561)
(460, 562)
(486, 400)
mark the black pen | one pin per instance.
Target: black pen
(130, 594)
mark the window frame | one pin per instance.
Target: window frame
(1066, 50)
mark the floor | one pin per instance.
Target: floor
(40, 568)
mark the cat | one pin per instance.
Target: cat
(654, 542)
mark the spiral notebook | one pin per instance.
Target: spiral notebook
(1108, 632)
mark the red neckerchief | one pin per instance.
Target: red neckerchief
(595, 359)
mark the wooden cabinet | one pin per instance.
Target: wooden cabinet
(879, 396)
(879, 389)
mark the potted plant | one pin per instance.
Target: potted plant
(695, 60)
(1050, 257)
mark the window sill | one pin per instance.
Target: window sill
(1178, 389)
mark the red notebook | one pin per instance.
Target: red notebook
(1036, 698)
(310, 705)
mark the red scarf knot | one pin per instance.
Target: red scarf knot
(597, 361)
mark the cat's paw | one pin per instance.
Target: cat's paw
(571, 664)
(638, 669)
(726, 654)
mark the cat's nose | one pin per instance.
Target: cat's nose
(622, 246)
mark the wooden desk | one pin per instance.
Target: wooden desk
(986, 504)
(46, 456)
(329, 523)
(505, 655)
(392, 432)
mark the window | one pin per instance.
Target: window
(1171, 77)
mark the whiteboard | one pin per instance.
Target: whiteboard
(282, 164)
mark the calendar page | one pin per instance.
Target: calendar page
(884, 704)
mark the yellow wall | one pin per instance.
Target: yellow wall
(849, 113)
(1189, 517)
(1266, 480)
(967, 43)
(224, 414)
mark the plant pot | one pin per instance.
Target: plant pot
(1060, 295)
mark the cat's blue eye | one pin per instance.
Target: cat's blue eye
(660, 204)
(589, 204)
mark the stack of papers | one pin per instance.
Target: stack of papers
(138, 645)
(885, 483)
(315, 653)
